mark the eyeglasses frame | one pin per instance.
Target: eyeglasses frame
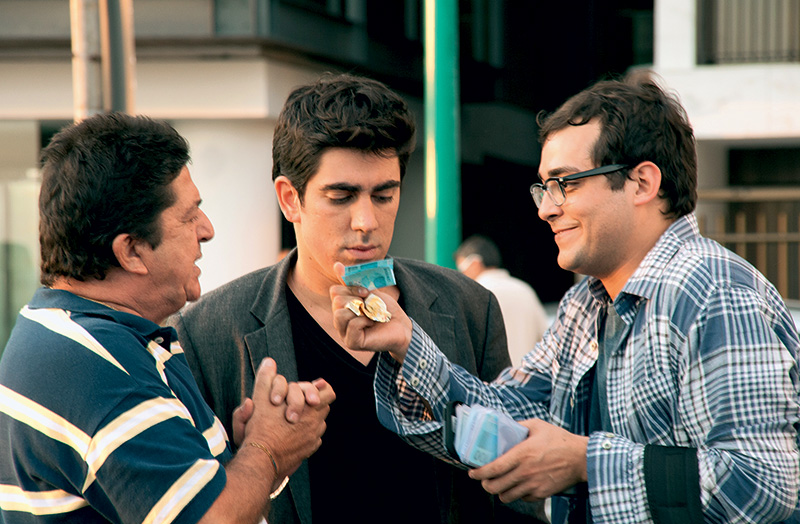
(602, 170)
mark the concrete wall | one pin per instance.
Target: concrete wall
(19, 220)
(225, 108)
(227, 111)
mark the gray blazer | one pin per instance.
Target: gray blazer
(227, 333)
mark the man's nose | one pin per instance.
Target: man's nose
(363, 215)
(548, 208)
(205, 231)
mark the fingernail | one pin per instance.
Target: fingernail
(293, 417)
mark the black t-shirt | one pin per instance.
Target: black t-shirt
(362, 472)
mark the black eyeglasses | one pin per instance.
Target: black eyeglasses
(559, 196)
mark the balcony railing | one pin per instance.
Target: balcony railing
(762, 225)
(746, 31)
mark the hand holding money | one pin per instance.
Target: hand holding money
(370, 275)
(369, 320)
(480, 434)
(549, 461)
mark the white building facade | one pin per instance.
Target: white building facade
(735, 65)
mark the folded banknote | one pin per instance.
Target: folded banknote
(371, 275)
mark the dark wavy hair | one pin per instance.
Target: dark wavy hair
(639, 122)
(107, 175)
(339, 111)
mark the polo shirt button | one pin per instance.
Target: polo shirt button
(159, 340)
(593, 345)
(423, 364)
(606, 445)
(415, 381)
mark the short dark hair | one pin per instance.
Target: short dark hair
(483, 247)
(339, 111)
(107, 175)
(639, 122)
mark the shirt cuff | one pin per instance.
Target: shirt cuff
(426, 371)
(404, 406)
(616, 479)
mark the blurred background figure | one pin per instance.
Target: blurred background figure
(525, 318)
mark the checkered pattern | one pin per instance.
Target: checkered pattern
(709, 360)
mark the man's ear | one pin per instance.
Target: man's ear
(128, 251)
(288, 199)
(647, 177)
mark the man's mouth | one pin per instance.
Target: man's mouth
(562, 232)
(362, 251)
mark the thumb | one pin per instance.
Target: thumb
(338, 268)
(265, 375)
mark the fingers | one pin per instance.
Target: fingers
(280, 388)
(317, 394)
(349, 323)
(240, 417)
(548, 461)
(310, 395)
(351, 327)
(244, 411)
(498, 467)
(265, 375)
(341, 295)
(296, 401)
(504, 477)
(325, 391)
(338, 268)
(292, 428)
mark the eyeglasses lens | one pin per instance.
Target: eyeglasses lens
(552, 187)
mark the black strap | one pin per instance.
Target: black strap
(672, 479)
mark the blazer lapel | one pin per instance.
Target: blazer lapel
(274, 339)
(426, 307)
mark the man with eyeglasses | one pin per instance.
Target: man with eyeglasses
(667, 388)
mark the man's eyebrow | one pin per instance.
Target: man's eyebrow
(391, 184)
(355, 188)
(559, 171)
(341, 186)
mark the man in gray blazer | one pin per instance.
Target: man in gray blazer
(340, 150)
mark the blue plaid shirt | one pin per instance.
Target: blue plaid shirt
(708, 360)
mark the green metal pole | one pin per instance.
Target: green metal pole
(442, 128)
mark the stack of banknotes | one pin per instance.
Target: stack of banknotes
(482, 434)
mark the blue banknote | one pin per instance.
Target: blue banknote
(371, 275)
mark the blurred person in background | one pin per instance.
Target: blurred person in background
(523, 314)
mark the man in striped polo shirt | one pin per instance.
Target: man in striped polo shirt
(100, 418)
